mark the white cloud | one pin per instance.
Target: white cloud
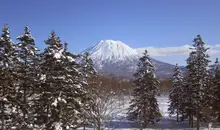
(179, 50)
(217, 45)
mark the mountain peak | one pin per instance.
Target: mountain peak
(111, 41)
(106, 50)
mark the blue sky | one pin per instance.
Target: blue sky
(138, 23)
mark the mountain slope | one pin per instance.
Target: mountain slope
(111, 51)
(115, 58)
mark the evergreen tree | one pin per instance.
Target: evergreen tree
(87, 66)
(7, 60)
(26, 80)
(144, 107)
(201, 66)
(89, 76)
(49, 77)
(207, 111)
(215, 95)
(188, 104)
(60, 94)
(77, 97)
(197, 65)
(176, 92)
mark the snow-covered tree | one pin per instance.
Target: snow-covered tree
(144, 107)
(89, 76)
(208, 114)
(74, 93)
(215, 95)
(176, 92)
(188, 104)
(60, 94)
(26, 75)
(7, 61)
(87, 66)
(196, 80)
(50, 58)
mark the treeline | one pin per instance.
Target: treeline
(47, 89)
(165, 86)
(196, 94)
(53, 87)
(126, 86)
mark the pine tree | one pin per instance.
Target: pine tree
(77, 97)
(188, 105)
(144, 107)
(49, 75)
(215, 95)
(26, 80)
(201, 66)
(207, 112)
(87, 66)
(197, 65)
(89, 76)
(176, 92)
(7, 60)
(60, 94)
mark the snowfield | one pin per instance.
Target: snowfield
(151, 129)
(119, 121)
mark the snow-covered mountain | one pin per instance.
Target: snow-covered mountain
(115, 58)
(112, 51)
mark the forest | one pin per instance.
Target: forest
(50, 88)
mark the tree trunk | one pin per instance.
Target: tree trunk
(189, 120)
(24, 101)
(47, 117)
(198, 119)
(177, 116)
(25, 93)
(141, 126)
(3, 109)
(3, 115)
(84, 126)
(99, 125)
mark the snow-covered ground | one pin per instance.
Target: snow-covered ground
(152, 129)
(119, 121)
